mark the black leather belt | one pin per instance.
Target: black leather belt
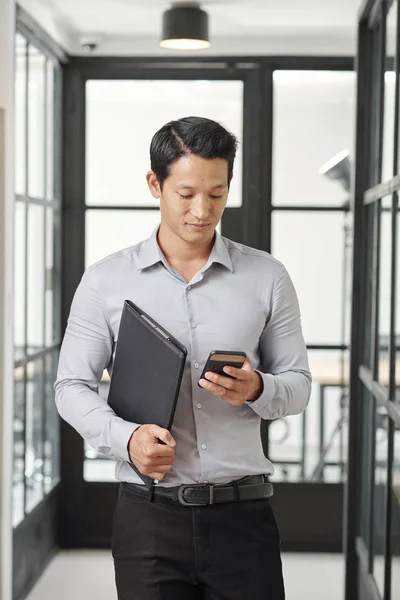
(254, 487)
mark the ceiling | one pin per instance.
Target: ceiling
(251, 19)
(227, 17)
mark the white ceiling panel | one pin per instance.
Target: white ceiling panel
(227, 17)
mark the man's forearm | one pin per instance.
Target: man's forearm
(93, 419)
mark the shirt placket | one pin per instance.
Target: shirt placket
(194, 321)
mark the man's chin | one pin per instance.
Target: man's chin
(207, 234)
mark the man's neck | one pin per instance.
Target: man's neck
(177, 251)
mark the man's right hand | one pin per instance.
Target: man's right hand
(148, 455)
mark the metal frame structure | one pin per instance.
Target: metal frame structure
(368, 394)
(249, 224)
(35, 537)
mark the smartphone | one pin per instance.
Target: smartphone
(218, 359)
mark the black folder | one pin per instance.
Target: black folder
(147, 373)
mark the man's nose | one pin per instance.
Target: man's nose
(200, 207)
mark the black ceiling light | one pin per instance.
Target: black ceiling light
(185, 27)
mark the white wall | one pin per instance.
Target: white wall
(48, 20)
(7, 24)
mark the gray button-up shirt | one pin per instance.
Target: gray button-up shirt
(242, 299)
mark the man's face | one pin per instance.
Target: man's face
(193, 198)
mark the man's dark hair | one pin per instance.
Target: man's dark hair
(190, 135)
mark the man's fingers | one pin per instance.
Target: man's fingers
(225, 382)
(241, 374)
(162, 434)
(163, 468)
(159, 471)
(159, 450)
(220, 391)
(157, 468)
(151, 469)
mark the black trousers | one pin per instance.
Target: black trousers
(165, 551)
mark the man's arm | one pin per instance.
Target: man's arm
(284, 367)
(85, 353)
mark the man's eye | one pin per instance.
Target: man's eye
(189, 196)
(215, 197)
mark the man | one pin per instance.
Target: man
(217, 539)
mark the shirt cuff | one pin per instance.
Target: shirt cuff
(261, 405)
(121, 432)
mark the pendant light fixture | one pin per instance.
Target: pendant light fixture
(185, 27)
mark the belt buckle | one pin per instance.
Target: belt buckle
(184, 502)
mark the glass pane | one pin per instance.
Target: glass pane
(35, 277)
(56, 277)
(389, 107)
(49, 130)
(311, 246)
(18, 512)
(51, 467)
(369, 301)
(373, 174)
(19, 280)
(381, 456)
(368, 439)
(123, 116)
(384, 289)
(397, 320)
(34, 434)
(49, 313)
(36, 123)
(313, 446)
(97, 467)
(307, 103)
(108, 231)
(20, 114)
(395, 528)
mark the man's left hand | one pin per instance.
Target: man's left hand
(247, 385)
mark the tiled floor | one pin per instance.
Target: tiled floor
(89, 574)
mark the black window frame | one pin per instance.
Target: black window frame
(35, 537)
(367, 393)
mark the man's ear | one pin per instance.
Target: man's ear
(153, 184)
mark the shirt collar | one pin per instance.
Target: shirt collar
(220, 254)
(151, 253)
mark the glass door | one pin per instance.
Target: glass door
(111, 116)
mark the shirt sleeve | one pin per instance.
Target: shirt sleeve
(284, 366)
(85, 352)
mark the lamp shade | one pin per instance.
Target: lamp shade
(185, 28)
(339, 168)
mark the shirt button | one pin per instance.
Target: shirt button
(199, 405)
(189, 287)
(204, 446)
(196, 365)
(194, 325)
